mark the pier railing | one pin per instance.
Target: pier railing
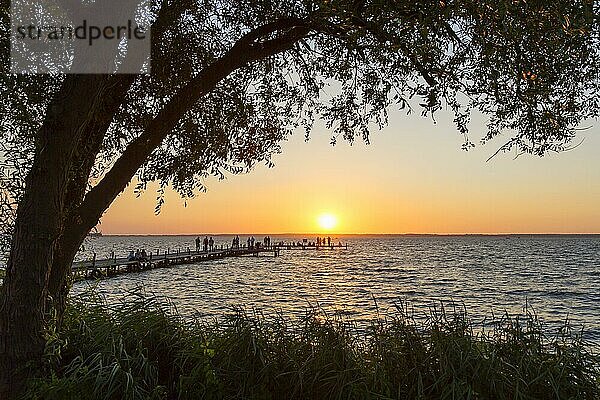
(95, 268)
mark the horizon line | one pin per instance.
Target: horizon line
(318, 234)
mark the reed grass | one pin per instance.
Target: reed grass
(142, 349)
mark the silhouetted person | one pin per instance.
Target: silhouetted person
(328, 241)
(211, 243)
(248, 242)
(198, 243)
(205, 243)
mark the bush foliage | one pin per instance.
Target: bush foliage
(142, 349)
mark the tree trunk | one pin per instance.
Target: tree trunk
(111, 93)
(59, 284)
(39, 223)
(23, 294)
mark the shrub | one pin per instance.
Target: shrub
(141, 349)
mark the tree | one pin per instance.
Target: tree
(230, 80)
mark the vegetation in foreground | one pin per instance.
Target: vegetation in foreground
(141, 349)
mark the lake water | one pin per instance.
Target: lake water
(559, 276)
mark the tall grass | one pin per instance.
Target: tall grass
(141, 349)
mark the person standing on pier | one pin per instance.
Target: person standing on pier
(211, 243)
(329, 241)
(197, 243)
(248, 242)
(205, 243)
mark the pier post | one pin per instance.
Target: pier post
(94, 260)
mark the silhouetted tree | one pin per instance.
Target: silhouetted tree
(231, 79)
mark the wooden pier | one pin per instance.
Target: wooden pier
(106, 268)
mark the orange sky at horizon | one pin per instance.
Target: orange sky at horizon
(413, 178)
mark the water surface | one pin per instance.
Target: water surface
(559, 276)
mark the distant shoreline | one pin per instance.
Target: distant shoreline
(352, 234)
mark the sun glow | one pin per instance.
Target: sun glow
(327, 221)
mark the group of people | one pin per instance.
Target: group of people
(208, 244)
(267, 241)
(251, 242)
(138, 255)
(322, 241)
(235, 243)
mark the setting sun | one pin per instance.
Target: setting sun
(327, 221)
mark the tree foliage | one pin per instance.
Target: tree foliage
(530, 66)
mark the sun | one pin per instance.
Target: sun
(327, 221)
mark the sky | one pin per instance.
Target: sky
(413, 178)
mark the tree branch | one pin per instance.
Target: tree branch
(244, 51)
